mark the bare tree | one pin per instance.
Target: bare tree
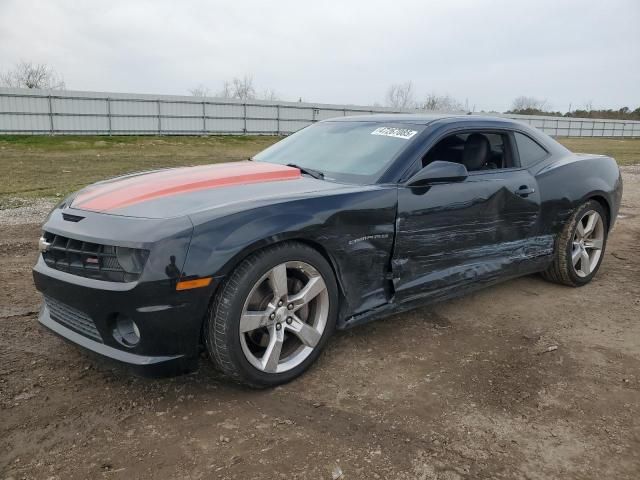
(226, 92)
(401, 95)
(240, 89)
(32, 75)
(269, 94)
(200, 91)
(243, 88)
(441, 103)
(528, 103)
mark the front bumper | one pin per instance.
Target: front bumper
(170, 322)
(142, 364)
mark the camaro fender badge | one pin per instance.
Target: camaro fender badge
(43, 245)
(368, 237)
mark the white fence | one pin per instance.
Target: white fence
(40, 112)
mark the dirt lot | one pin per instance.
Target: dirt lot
(461, 390)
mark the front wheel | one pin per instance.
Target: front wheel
(273, 315)
(580, 246)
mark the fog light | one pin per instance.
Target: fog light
(126, 332)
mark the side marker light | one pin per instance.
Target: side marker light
(197, 283)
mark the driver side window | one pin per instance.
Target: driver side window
(476, 150)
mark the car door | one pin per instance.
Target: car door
(453, 237)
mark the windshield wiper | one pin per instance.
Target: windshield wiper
(309, 171)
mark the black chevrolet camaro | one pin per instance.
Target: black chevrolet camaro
(343, 222)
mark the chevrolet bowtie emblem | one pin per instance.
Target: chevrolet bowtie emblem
(43, 245)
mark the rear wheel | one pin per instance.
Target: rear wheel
(580, 246)
(273, 315)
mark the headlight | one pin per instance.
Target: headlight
(131, 260)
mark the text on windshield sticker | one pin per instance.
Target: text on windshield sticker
(403, 133)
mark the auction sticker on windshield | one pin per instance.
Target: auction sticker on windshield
(403, 133)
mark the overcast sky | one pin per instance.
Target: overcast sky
(568, 52)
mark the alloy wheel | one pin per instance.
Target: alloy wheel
(284, 317)
(588, 241)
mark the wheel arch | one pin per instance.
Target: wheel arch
(602, 200)
(261, 244)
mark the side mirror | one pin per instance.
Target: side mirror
(439, 171)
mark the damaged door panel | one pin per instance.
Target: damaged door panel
(489, 231)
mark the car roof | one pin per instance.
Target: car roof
(416, 118)
(423, 118)
(488, 121)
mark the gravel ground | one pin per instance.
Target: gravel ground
(465, 389)
(26, 211)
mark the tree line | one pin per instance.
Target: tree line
(402, 96)
(533, 106)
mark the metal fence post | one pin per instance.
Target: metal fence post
(204, 117)
(51, 128)
(109, 115)
(278, 119)
(244, 111)
(159, 119)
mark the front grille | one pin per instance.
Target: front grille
(85, 259)
(72, 318)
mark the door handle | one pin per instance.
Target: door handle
(525, 190)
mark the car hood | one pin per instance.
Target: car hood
(177, 192)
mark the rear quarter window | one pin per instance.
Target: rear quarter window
(529, 151)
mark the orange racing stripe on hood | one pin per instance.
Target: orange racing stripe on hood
(120, 193)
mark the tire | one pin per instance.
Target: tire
(247, 325)
(564, 270)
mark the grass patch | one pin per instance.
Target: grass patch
(44, 166)
(626, 151)
(53, 166)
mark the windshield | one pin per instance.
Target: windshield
(357, 152)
